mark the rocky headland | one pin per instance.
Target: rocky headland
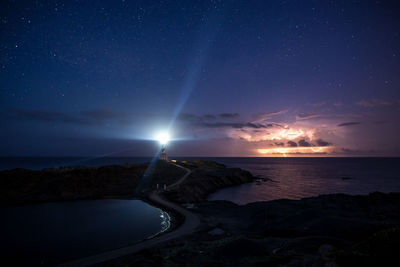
(22, 186)
(206, 177)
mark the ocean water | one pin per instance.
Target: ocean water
(296, 178)
(47, 233)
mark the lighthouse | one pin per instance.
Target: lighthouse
(163, 154)
(163, 138)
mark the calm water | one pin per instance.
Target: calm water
(47, 233)
(295, 178)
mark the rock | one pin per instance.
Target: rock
(204, 181)
(21, 186)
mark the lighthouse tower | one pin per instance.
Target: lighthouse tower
(163, 154)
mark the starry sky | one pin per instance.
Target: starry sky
(224, 78)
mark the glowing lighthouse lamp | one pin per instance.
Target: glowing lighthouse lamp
(163, 138)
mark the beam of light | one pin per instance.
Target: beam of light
(163, 138)
(206, 36)
(287, 151)
(147, 175)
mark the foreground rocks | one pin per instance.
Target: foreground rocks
(329, 230)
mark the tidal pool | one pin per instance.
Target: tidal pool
(53, 232)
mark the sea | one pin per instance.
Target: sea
(296, 178)
(288, 178)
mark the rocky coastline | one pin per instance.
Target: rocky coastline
(327, 230)
(22, 186)
(206, 178)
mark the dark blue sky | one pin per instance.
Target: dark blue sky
(231, 78)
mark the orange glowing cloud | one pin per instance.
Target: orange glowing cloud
(274, 134)
(285, 151)
(297, 138)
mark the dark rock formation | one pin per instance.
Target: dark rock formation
(21, 186)
(336, 215)
(206, 178)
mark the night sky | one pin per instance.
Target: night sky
(225, 78)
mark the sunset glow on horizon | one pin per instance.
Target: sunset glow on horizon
(294, 151)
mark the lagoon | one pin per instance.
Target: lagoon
(54, 232)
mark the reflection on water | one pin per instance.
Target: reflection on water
(295, 178)
(165, 221)
(51, 232)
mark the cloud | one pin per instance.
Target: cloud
(373, 103)
(237, 125)
(229, 115)
(319, 104)
(306, 116)
(209, 117)
(321, 142)
(44, 115)
(365, 103)
(348, 150)
(295, 151)
(188, 117)
(359, 152)
(268, 115)
(382, 102)
(101, 114)
(304, 143)
(349, 123)
(292, 144)
(220, 125)
(209, 121)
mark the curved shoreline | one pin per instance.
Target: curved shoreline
(189, 225)
(119, 182)
(280, 231)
